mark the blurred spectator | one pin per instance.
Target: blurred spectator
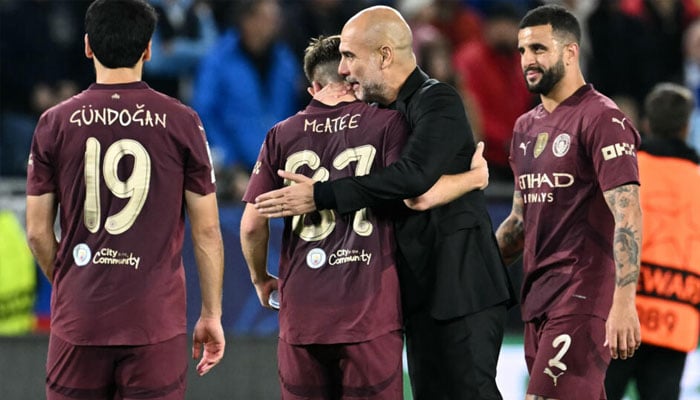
(223, 13)
(619, 55)
(522, 6)
(670, 199)
(691, 74)
(436, 60)
(582, 10)
(664, 22)
(458, 22)
(248, 82)
(419, 15)
(18, 278)
(493, 80)
(185, 32)
(41, 44)
(432, 49)
(312, 18)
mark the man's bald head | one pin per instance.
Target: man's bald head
(377, 54)
(381, 25)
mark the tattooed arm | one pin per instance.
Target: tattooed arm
(510, 234)
(622, 327)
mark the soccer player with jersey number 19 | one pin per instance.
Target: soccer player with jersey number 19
(123, 163)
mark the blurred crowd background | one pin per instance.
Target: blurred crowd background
(238, 64)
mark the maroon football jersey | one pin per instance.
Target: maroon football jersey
(338, 280)
(563, 162)
(119, 158)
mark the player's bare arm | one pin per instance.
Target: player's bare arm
(622, 327)
(40, 218)
(450, 187)
(208, 337)
(511, 234)
(255, 235)
(295, 199)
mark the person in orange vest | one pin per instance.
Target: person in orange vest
(668, 290)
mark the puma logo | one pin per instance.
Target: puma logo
(549, 373)
(524, 147)
(622, 123)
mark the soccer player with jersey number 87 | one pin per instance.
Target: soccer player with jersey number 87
(338, 287)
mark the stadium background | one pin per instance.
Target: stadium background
(248, 370)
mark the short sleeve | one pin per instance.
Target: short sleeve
(263, 177)
(41, 175)
(612, 142)
(199, 172)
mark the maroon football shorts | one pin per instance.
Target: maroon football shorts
(566, 357)
(156, 371)
(366, 370)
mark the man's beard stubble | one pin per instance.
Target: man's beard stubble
(550, 77)
(371, 93)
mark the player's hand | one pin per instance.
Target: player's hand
(480, 167)
(296, 199)
(264, 287)
(208, 342)
(622, 331)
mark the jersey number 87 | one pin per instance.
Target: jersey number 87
(363, 156)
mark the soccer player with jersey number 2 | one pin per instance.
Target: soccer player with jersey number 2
(576, 217)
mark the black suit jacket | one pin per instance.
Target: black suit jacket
(448, 258)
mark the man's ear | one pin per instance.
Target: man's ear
(147, 53)
(88, 49)
(572, 53)
(387, 54)
(315, 87)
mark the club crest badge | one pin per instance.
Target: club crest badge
(561, 144)
(541, 143)
(316, 258)
(81, 254)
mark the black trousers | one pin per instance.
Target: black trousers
(656, 370)
(455, 359)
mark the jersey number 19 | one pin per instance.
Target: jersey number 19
(135, 187)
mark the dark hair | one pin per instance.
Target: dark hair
(668, 107)
(563, 22)
(119, 30)
(321, 59)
